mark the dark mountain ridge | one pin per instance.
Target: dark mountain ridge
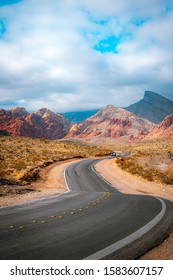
(152, 107)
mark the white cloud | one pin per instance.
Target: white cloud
(47, 57)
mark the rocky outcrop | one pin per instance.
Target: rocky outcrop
(162, 130)
(152, 107)
(41, 124)
(54, 126)
(111, 122)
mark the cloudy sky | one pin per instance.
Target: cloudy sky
(71, 55)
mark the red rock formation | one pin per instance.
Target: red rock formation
(162, 130)
(54, 126)
(111, 122)
(41, 124)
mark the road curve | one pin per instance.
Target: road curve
(91, 221)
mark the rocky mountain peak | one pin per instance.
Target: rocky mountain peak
(109, 107)
(44, 113)
(113, 112)
(41, 124)
(17, 112)
(151, 96)
(111, 122)
(152, 107)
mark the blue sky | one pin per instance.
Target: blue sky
(75, 54)
(108, 44)
(8, 2)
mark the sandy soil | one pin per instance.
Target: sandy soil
(161, 252)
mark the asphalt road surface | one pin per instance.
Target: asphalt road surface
(92, 220)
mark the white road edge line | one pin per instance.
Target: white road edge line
(132, 237)
(65, 177)
(65, 180)
(93, 169)
(129, 239)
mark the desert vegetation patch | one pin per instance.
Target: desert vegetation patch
(22, 158)
(151, 160)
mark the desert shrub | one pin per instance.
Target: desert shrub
(169, 175)
(21, 164)
(151, 174)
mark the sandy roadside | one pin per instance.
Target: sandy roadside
(51, 183)
(128, 183)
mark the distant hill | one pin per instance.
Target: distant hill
(152, 107)
(111, 122)
(80, 116)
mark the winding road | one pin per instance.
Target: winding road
(92, 220)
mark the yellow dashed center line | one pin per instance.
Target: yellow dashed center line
(21, 227)
(81, 208)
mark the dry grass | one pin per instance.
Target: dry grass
(151, 174)
(22, 158)
(152, 160)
